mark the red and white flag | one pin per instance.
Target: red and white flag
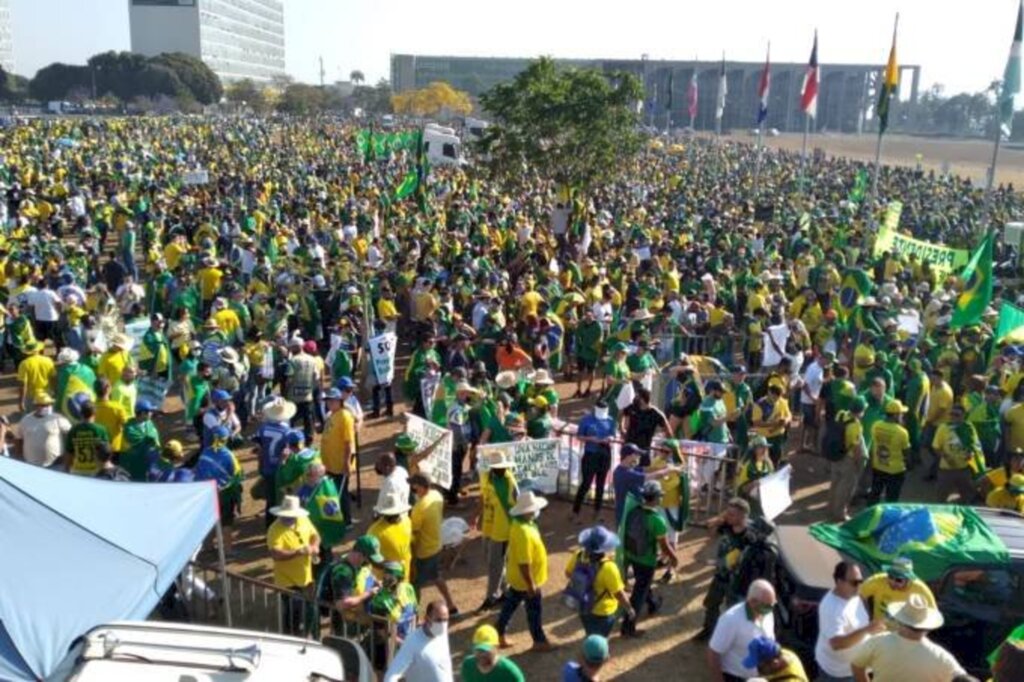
(763, 88)
(691, 96)
(809, 93)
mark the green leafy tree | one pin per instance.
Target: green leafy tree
(55, 81)
(203, 84)
(301, 99)
(248, 93)
(576, 127)
(374, 100)
(357, 77)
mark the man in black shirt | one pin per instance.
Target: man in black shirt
(641, 421)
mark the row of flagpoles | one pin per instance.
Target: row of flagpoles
(890, 82)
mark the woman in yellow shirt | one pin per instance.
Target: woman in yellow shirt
(598, 602)
(394, 530)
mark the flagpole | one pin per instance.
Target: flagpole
(760, 132)
(881, 132)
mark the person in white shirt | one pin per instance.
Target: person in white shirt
(810, 391)
(843, 623)
(394, 478)
(736, 628)
(425, 655)
(907, 653)
(42, 433)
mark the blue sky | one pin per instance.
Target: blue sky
(962, 45)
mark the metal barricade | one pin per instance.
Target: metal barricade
(710, 475)
(261, 606)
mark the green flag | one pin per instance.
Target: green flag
(408, 186)
(1011, 324)
(860, 186)
(977, 292)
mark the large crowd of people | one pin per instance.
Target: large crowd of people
(251, 297)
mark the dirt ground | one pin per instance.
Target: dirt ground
(965, 157)
(665, 650)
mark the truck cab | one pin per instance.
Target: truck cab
(441, 145)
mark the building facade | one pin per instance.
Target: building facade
(237, 39)
(6, 37)
(846, 94)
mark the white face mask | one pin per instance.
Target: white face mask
(601, 412)
(45, 411)
(437, 629)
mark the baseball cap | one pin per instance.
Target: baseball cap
(895, 407)
(220, 432)
(485, 638)
(294, 437)
(630, 449)
(220, 394)
(759, 650)
(858, 405)
(901, 568)
(595, 649)
(345, 384)
(144, 405)
(332, 394)
(369, 547)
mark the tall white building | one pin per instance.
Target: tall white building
(6, 41)
(236, 38)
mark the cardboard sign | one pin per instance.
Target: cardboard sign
(773, 491)
(780, 334)
(382, 354)
(195, 177)
(536, 462)
(426, 434)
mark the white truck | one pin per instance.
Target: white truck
(441, 145)
(474, 129)
(154, 651)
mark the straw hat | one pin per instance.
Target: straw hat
(392, 504)
(290, 508)
(542, 378)
(279, 410)
(499, 459)
(916, 613)
(122, 341)
(528, 503)
(505, 379)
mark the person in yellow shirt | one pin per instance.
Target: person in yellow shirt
(36, 375)
(498, 494)
(338, 442)
(209, 277)
(173, 252)
(770, 417)
(115, 359)
(863, 357)
(294, 545)
(227, 320)
(890, 444)
(895, 584)
(1013, 431)
(426, 517)
(393, 529)
(958, 452)
(527, 568)
(940, 401)
(110, 414)
(1009, 496)
(529, 302)
(599, 605)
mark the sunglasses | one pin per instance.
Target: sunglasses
(856, 583)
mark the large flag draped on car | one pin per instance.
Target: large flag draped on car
(934, 537)
(977, 292)
(1011, 77)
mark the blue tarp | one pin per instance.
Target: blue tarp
(80, 552)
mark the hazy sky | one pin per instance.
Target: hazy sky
(962, 45)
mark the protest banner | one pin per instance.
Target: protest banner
(943, 258)
(893, 211)
(428, 389)
(426, 435)
(195, 177)
(136, 330)
(775, 339)
(773, 491)
(909, 322)
(382, 353)
(537, 462)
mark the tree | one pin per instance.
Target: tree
(53, 82)
(301, 99)
(357, 77)
(248, 93)
(436, 98)
(203, 84)
(374, 100)
(576, 127)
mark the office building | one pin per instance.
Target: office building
(237, 39)
(6, 40)
(845, 97)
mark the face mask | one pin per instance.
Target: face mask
(45, 411)
(601, 412)
(439, 629)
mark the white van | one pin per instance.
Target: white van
(145, 651)
(474, 128)
(441, 145)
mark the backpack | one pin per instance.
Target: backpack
(638, 536)
(833, 445)
(579, 594)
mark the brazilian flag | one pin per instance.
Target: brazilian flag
(1011, 324)
(934, 537)
(855, 286)
(977, 292)
(408, 186)
(860, 186)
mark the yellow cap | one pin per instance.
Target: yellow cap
(485, 638)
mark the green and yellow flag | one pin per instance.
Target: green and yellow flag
(855, 286)
(890, 83)
(1011, 324)
(977, 292)
(408, 186)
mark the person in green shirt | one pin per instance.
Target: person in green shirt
(616, 375)
(538, 424)
(142, 442)
(485, 664)
(645, 538)
(987, 423)
(876, 399)
(641, 363)
(915, 395)
(424, 356)
(712, 416)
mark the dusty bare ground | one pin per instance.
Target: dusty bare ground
(965, 157)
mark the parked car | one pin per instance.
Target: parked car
(141, 651)
(981, 602)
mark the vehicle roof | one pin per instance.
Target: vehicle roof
(1009, 526)
(168, 651)
(809, 562)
